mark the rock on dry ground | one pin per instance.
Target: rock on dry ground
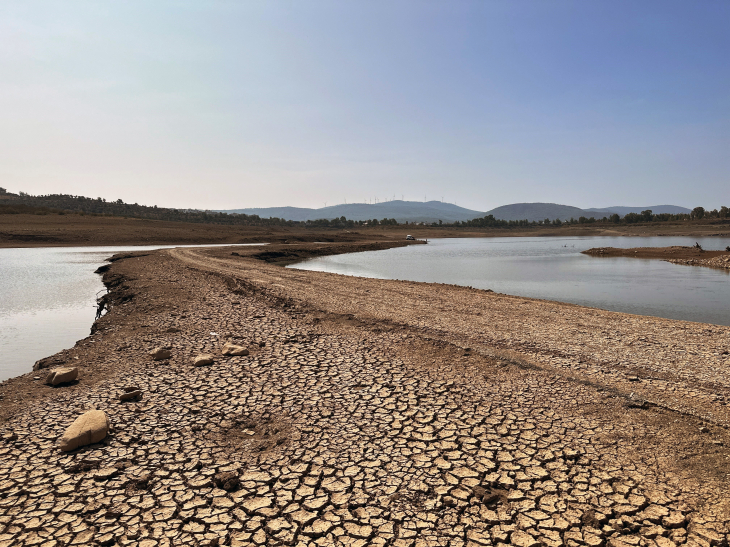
(89, 428)
(369, 412)
(62, 376)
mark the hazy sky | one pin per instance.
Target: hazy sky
(252, 104)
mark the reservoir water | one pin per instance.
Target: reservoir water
(47, 300)
(553, 269)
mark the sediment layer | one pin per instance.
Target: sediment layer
(369, 412)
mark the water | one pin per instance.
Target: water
(47, 300)
(553, 269)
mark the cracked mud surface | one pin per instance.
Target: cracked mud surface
(369, 412)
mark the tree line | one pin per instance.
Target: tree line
(65, 203)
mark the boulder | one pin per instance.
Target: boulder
(203, 359)
(62, 376)
(158, 354)
(91, 427)
(233, 349)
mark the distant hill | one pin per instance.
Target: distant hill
(656, 209)
(433, 211)
(402, 211)
(541, 211)
(535, 211)
(23, 203)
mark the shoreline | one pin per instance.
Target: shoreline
(381, 400)
(687, 256)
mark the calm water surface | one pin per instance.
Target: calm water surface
(47, 300)
(554, 269)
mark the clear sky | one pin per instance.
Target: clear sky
(236, 104)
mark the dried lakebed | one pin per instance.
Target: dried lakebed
(368, 412)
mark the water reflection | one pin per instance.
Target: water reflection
(554, 269)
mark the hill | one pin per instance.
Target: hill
(402, 211)
(541, 211)
(433, 211)
(536, 211)
(65, 203)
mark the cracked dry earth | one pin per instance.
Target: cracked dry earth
(368, 412)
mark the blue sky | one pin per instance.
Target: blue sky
(254, 104)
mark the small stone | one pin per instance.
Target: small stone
(130, 395)
(203, 359)
(233, 349)
(62, 376)
(89, 428)
(105, 474)
(227, 481)
(158, 354)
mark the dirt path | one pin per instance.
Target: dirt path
(370, 413)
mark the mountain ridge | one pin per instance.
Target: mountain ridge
(433, 211)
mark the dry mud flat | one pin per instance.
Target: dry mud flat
(369, 413)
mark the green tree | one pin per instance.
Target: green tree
(697, 212)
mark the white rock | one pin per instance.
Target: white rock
(203, 359)
(158, 354)
(62, 376)
(233, 349)
(91, 427)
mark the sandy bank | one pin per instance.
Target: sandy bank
(689, 256)
(369, 412)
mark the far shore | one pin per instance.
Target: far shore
(663, 253)
(71, 230)
(686, 256)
